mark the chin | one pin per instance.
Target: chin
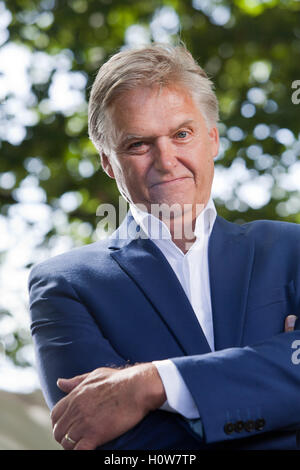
(173, 206)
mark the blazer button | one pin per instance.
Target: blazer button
(239, 426)
(249, 425)
(229, 428)
(259, 424)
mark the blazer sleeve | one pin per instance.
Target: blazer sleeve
(241, 392)
(68, 342)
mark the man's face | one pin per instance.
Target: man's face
(163, 151)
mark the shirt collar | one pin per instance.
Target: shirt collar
(206, 219)
(155, 229)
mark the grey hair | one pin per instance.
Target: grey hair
(149, 66)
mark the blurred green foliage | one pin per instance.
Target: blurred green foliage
(250, 48)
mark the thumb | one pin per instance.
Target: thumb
(67, 385)
(290, 323)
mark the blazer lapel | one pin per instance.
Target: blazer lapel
(230, 255)
(149, 269)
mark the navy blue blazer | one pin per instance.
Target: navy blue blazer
(118, 301)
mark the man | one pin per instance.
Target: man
(150, 340)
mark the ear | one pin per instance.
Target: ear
(106, 165)
(214, 139)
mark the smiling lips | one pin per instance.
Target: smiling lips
(169, 181)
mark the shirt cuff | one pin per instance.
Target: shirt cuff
(179, 398)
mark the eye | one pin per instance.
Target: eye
(182, 134)
(139, 146)
(136, 144)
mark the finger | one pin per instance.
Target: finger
(289, 323)
(71, 438)
(67, 385)
(85, 444)
(58, 410)
(66, 443)
(66, 424)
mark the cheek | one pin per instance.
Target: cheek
(134, 176)
(139, 169)
(202, 163)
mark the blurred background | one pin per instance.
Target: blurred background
(50, 178)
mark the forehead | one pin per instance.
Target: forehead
(151, 111)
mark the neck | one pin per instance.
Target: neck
(185, 244)
(182, 228)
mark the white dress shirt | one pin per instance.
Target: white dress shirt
(192, 272)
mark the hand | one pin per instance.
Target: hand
(289, 323)
(104, 404)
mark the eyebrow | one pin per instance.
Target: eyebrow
(130, 137)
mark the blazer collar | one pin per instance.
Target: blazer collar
(231, 256)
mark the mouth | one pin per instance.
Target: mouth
(175, 180)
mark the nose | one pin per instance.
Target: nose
(164, 155)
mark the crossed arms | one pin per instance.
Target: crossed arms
(102, 405)
(76, 330)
